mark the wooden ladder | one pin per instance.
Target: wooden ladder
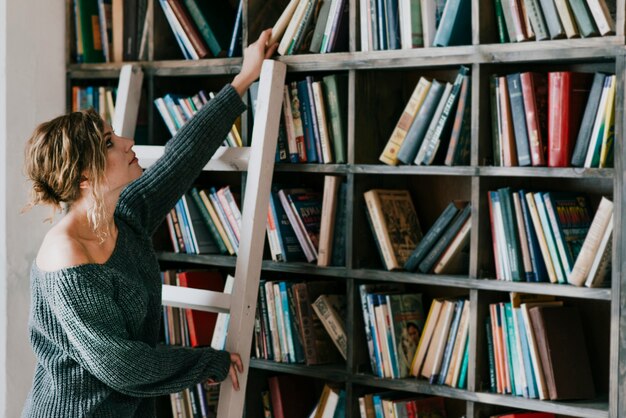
(241, 304)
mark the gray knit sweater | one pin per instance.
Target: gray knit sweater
(94, 328)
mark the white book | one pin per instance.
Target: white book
(406, 29)
(501, 240)
(127, 102)
(602, 260)
(271, 314)
(179, 33)
(218, 342)
(296, 18)
(322, 121)
(421, 154)
(364, 21)
(602, 16)
(429, 21)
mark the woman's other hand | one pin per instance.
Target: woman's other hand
(253, 57)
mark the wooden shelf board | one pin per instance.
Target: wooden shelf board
(326, 372)
(569, 172)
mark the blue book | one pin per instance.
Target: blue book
(295, 346)
(234, 49)
(378, 406)
(522, 143)
(338, 257)
(307, 122)
(287, 240)
(455, 27)
(513, 354)
(432, 236)
(340, 410)
(395, 369)
(540, 273)
(315, 122)
(372, 303)
(393, 24)
(382, 25)
(531, 385)
(447, 353)
(547, 231)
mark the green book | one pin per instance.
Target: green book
(336, 94)
(208, 221)
(462, 383)
(88, 31)
(214, 21)
(511, 234)
(583, 18)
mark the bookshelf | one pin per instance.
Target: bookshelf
(387, 78)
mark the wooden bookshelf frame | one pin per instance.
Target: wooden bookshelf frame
(482, 57)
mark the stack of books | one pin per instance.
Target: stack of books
(537, 349)
(204, 29)
(313, 124)
(317, 26)
(435, 124)
(373, 405)
(101, 98)
(307, 225)
(442, 355)
(176, 110)
(556, 119)
(290, 328)
(394, 321)
(406, 24)
(205, 222)
(520, 21)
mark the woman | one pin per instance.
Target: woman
(95, 284)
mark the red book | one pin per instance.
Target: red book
(292, 396)
(535, 95)
(567, 95)
(201, 324)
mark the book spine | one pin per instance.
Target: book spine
(552, 19)
(491, 356)
(519, 119)
(273, 322)
(234, 47)
(332, 323)
(583, 17)
(533, 8)
(290, 127)
(297, 123)
(549, 234)
(208, 221)
(203, 27)
(335, 92)
(320, 112)
(307, 122)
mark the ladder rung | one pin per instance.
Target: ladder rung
(224, 159)
(199, 299)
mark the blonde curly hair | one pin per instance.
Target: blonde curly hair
(59, 155)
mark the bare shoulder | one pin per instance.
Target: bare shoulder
(60, 250)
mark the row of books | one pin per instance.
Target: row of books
(401, 243)
(442, 355)
(317, 26)
(313, 125)
(300, 322)
(304, 224)
(101, 98)
(434, 126)
(406, 24)
(205, 29)
(191, 328)
(537, 349)
(393, 320)
(550, 236)
(394, 404)
(176, 110)
(556, 119)
(520, 21)
(110, 30)
(205, 222)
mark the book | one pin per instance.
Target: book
(590, 246)
(522, 142)
(332, 321)
(417, 129)
(295, 223)
(601, 265)
(407, 320)
(201, 323)
(394, 144)
(394, 224)
(327, 219)
(127, 101)
(426, 336)
(214, 21)
(535, 95)
(432, 236)
(567, 94)
(336, 99)
(561, 343)
(218, 341)
(317, 344)
(287, 397)
(455, 25)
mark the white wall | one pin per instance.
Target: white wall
(32, 89)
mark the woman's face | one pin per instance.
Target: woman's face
(122, 166)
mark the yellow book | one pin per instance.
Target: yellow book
(609, 124)
(390, 153)
(216, 221)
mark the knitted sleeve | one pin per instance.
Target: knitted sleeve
(90, 315)
(149, 198)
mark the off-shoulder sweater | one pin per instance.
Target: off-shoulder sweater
(94, 328)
